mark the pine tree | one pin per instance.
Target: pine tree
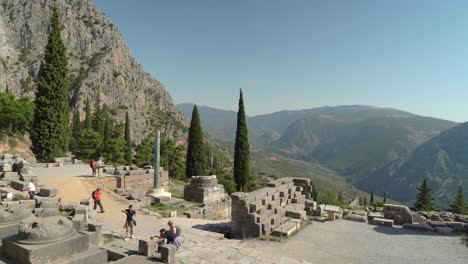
(314, 193)
(144, 152)
(50, 136)
(241, 151)
(458, 205)
(372, 198)
(365, 200)
(88, 118)
(340, 198)
(196, 157)
(108, 129)
(128, 146)
(384, 197)
(89, 142)
(113, 150)
(99, 115)
(424, 200)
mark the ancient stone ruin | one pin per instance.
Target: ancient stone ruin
(207, 191)
(278, 209)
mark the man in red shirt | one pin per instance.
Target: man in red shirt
(97, 199)
(93, 165)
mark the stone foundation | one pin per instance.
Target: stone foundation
(268, 210)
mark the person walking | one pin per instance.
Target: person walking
(31, 189)
(93, 165)
(97, 199)
(129, 222)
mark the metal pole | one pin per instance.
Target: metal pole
(156, 183)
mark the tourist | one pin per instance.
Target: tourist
(175, 229)
(93, 166)
(100, 162)
(97, 199)
(129, 222)
(31, 189)
(170, 238)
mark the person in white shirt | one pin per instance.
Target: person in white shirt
(31, 189)
(100, 162)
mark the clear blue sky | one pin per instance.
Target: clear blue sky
(294, 54)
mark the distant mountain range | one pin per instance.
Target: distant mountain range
(377, 149)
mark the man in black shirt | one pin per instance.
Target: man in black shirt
(129, 222)
(170, 237)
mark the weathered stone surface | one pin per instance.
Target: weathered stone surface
(9, 204)
(46, 212)
(382, 222)
(10, 175)
(85, 201)
(443, 229)
(28, 203)
(419, 218)
(400, 214)
(168, 254)
(84, 210)
(146, 247)
(419, 227)
(5, 167)
(95, 227)
(19, 185)
(40, 200)
(456, 225)
(14, 214)
(3, 183)
(70, 206)
(49, 204)
(461, 218)
(437, 223)
(78, 222)
(373, 215)
(436, 217)
(356, 218)
(48, 192)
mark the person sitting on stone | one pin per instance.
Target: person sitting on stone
(129, 222)
(169, 237)
(175, 229)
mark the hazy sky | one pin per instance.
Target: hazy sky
(294, 54)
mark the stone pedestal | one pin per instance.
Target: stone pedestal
(159, 193)
(168, 254)
(100, 171)
(146, 247)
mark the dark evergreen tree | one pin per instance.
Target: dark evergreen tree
(98, 119)
(50, 136)
(145, 152)
(128, 144)
(458, 205)
(196, 157)
(88, 118)
(340, 198)
(424, 200)
(372, 198)
(108, 129)
(365, 200)
(113, 150)
(75, 130)
(314, 193)
(241, 151)
(89, 142)
(384, 197)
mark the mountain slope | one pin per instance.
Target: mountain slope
(443, 160)
(99, 60)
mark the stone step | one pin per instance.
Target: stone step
(94, 255)
(286, 229)
(382, 222)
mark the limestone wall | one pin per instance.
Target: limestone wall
(142, 181)
(262, 211)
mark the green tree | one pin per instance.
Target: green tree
(329, 197)
(50, 135)
(340, 198)
(89, 142)
(113, 150)
(372, 198)
(196, 157)
(384, 197)
(145, 152)
(88, 124)
(365, 200)
(16, 115)
(241, 151)
(458, 205)
(75, 130)
(314, 193)
(128, 144)
(98, 121)
(424, 200)
(172, 157)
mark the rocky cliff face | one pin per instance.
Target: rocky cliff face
(99, 62)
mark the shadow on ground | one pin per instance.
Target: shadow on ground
(404, 231)
(221, 228)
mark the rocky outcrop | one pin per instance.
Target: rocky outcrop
(400, 214)
(99, 61)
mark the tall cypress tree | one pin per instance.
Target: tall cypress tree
(458, 205)
(196, 157)
(76, 130)
(314, 193)
(384, 197)
(241, 150)
(50, 134)
(424, 200)
(372, 198)
(98, 119)
(128, 146)
(88, 118)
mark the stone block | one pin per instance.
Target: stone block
(3, 183)
(135, 172)
(371, 216)
(382, 222)
(19, 185)
(5, 167)
(48, 192)
(456, 225)
(168, 254)
(119, 172)
(356, 218)
(7, 230)
(400, 214)
(40, 200)
(95, 227)
(10, 175)
(78, 222)
(84, 210)
(94, 238)
(68, 206)
(7, 204)
(28, 203)
(94, 255)
(146, 247)
(49, 204)
(148, 167)
(20, 196)
(437, 223)
(443, 230)
(46, 212)
(85, 201)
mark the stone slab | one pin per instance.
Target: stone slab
(70, 206)
(382, 222)
(19, 185)
(437, 223)
(134, 259)
(419, 227)
(48, 192)
(93, 255)
(443, 230)
(78, 222)
(356, 218)
(168, 254)
(28, 203)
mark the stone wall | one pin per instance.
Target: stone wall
(142, 181)
(270, 209)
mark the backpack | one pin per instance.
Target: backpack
(92, 194)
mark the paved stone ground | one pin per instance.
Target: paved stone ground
(319, 243)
